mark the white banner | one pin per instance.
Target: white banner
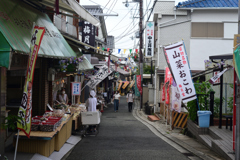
(176, 98)
(100, 76)
(176, 56)
(217, 77)
(149, 52)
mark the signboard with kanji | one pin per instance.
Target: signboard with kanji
(88, 34)
(176, 56)
(76, 88)
(149, 39)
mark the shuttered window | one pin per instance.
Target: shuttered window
(207, 29)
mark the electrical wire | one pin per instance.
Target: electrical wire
(100, 5)
(121, 19)
(112, 8)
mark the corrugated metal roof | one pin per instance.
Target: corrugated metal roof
(208, 4)
(16, 22)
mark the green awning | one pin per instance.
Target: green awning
(85, 65)
(16, 23)
(4, 52)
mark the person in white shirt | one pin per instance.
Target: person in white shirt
(116, 97)
(63, 98)
(91, 105)
(130, 99)
(105, 97)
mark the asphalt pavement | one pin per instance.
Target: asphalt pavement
(121, 137)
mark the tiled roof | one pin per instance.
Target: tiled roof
(208, 4)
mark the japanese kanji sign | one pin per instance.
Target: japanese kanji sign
(88, 34)
(216, 78)
(76, 88)
(25, 110)
(149, 39)
(178, 62)
(99, 76)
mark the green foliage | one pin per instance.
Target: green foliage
(230, 101)
(216, 106)
(203, 90)
(12, 122)
(147, 69)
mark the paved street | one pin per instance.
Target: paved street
(121, 136)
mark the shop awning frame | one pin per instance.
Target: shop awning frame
(81, 45)
(70, 6)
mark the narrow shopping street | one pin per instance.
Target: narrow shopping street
(121, 136)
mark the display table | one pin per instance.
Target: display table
(45, 143)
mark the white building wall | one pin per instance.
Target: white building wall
(172, 34)
(214, 15)
(201, 49)
(230, 29)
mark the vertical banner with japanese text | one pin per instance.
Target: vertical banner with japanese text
(139, 84)
(149, 39)
(25, 110)
(136, 91)
(180, 69)
(88, 34)
(76, 88)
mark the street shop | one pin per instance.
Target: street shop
(49, 129)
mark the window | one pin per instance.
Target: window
(207, 29)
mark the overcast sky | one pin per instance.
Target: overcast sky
(123, 26)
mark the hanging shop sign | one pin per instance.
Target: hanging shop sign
(119, 86)
(125, 84)
(139, 84)
(25, 110)
(149, 39)
(76, 88)
(216, 77)
(88, 34)
(132, 83)
(99, 76)
(178, 62)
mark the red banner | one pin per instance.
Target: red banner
(168, 76)
(139, 84)
(163, 93)
(168, 96)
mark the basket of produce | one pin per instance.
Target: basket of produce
(35, 126)
(48, 126)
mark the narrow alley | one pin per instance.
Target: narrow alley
(121, 136)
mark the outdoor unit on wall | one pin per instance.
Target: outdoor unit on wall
(51, 74)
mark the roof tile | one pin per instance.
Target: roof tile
(208, 4)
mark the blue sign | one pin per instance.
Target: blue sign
(76, 88)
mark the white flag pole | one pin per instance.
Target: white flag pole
(16, 146)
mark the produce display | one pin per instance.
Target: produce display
(46, 124)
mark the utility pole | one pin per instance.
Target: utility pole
(140, 47)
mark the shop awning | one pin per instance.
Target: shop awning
(5, 52)
(16, 24)
(85, 65)
(71, 6)
(82, 46)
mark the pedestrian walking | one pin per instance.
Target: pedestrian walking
(105, 97)
(91, 105)
(130, 99)
(116, 97)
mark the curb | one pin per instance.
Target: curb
(173, 139)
